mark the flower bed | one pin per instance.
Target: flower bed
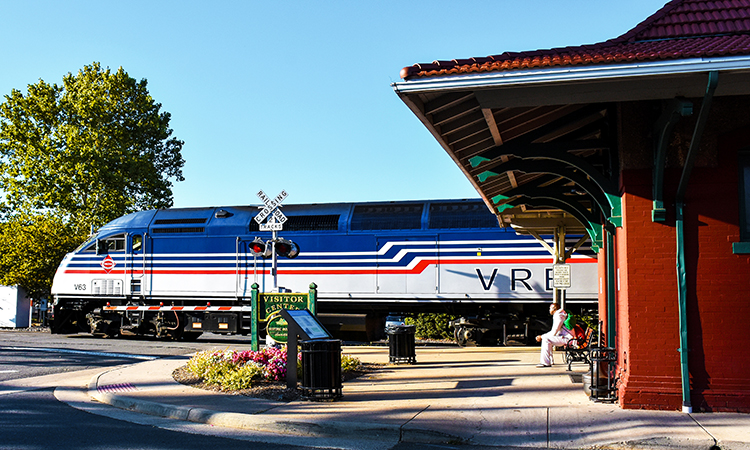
(233, 370)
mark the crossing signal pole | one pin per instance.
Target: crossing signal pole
(274, 221)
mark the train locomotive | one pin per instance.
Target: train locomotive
(180, 272)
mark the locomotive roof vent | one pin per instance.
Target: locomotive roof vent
(387, 217)
(461, 215)
(316, 222)
(178, 221)
(178, 230)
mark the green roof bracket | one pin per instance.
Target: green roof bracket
(586, 176)
(500, 198)
(484, 176)
(503, 202)
(477, 160)
(595, 185)
(615, 202)
(595, 233)
(504, 206)
(585, 217)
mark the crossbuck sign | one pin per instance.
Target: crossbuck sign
(271, 208)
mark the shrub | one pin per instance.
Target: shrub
(432, 326)
(349, 363)
(242, 377)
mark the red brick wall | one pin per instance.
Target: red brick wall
(648, 334)
(718, 298)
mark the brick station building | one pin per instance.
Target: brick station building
(643, 143)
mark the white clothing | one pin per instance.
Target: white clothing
(558, 335)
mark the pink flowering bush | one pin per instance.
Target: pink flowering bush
(272, 360)
(238, 369)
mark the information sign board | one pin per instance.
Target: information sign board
(309, 324)
(561, 276)
(272, 303)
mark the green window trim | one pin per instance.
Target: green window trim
(741, 248)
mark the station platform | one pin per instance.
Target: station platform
(484, 397)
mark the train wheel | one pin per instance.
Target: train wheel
(467, 336)
(459, 335)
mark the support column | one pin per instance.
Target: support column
(560, 258)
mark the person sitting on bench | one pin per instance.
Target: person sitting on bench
(558, 335)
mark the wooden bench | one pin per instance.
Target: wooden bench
(578, 349)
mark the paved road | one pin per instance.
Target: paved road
(26, 354)
(42, 404)
(36, 419)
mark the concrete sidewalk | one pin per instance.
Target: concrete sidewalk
(475, 396)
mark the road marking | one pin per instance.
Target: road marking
(8, 371)
(82, 352)
(121, 387)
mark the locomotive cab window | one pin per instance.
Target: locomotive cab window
(137, 243)
(112, 244)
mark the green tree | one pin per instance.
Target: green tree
(91, 150)
(31, 248)
(73, 157)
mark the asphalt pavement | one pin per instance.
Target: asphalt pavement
(486, 397)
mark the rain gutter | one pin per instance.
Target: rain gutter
(713, 80)
(594, 72)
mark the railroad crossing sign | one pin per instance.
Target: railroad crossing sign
(271, 208)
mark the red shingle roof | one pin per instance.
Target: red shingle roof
(681, 29)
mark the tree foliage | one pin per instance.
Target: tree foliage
(73, 157)
(31, 248)
(91, 150)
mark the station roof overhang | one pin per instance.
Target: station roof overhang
(540, 144)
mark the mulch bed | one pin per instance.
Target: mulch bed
(269, 390)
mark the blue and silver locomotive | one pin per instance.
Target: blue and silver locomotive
(162, 272)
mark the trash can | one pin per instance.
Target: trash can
(601, 382)
(401, 344)
(321, 369)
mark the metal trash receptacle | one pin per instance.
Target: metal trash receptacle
(401, 344)
(321, 369)
(601, 375)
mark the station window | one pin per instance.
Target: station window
(743, 247)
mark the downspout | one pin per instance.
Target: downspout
(611, 287)
(713, 80)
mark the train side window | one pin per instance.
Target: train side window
(137, 243)
(112, 244)
(88, 248)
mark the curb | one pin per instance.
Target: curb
(269, 423)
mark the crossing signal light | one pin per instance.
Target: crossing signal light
(259, 248)
(286, 248)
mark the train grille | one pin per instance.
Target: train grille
(107, 287)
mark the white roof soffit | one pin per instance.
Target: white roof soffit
(572, 74)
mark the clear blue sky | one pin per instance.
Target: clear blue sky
(294, 95)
